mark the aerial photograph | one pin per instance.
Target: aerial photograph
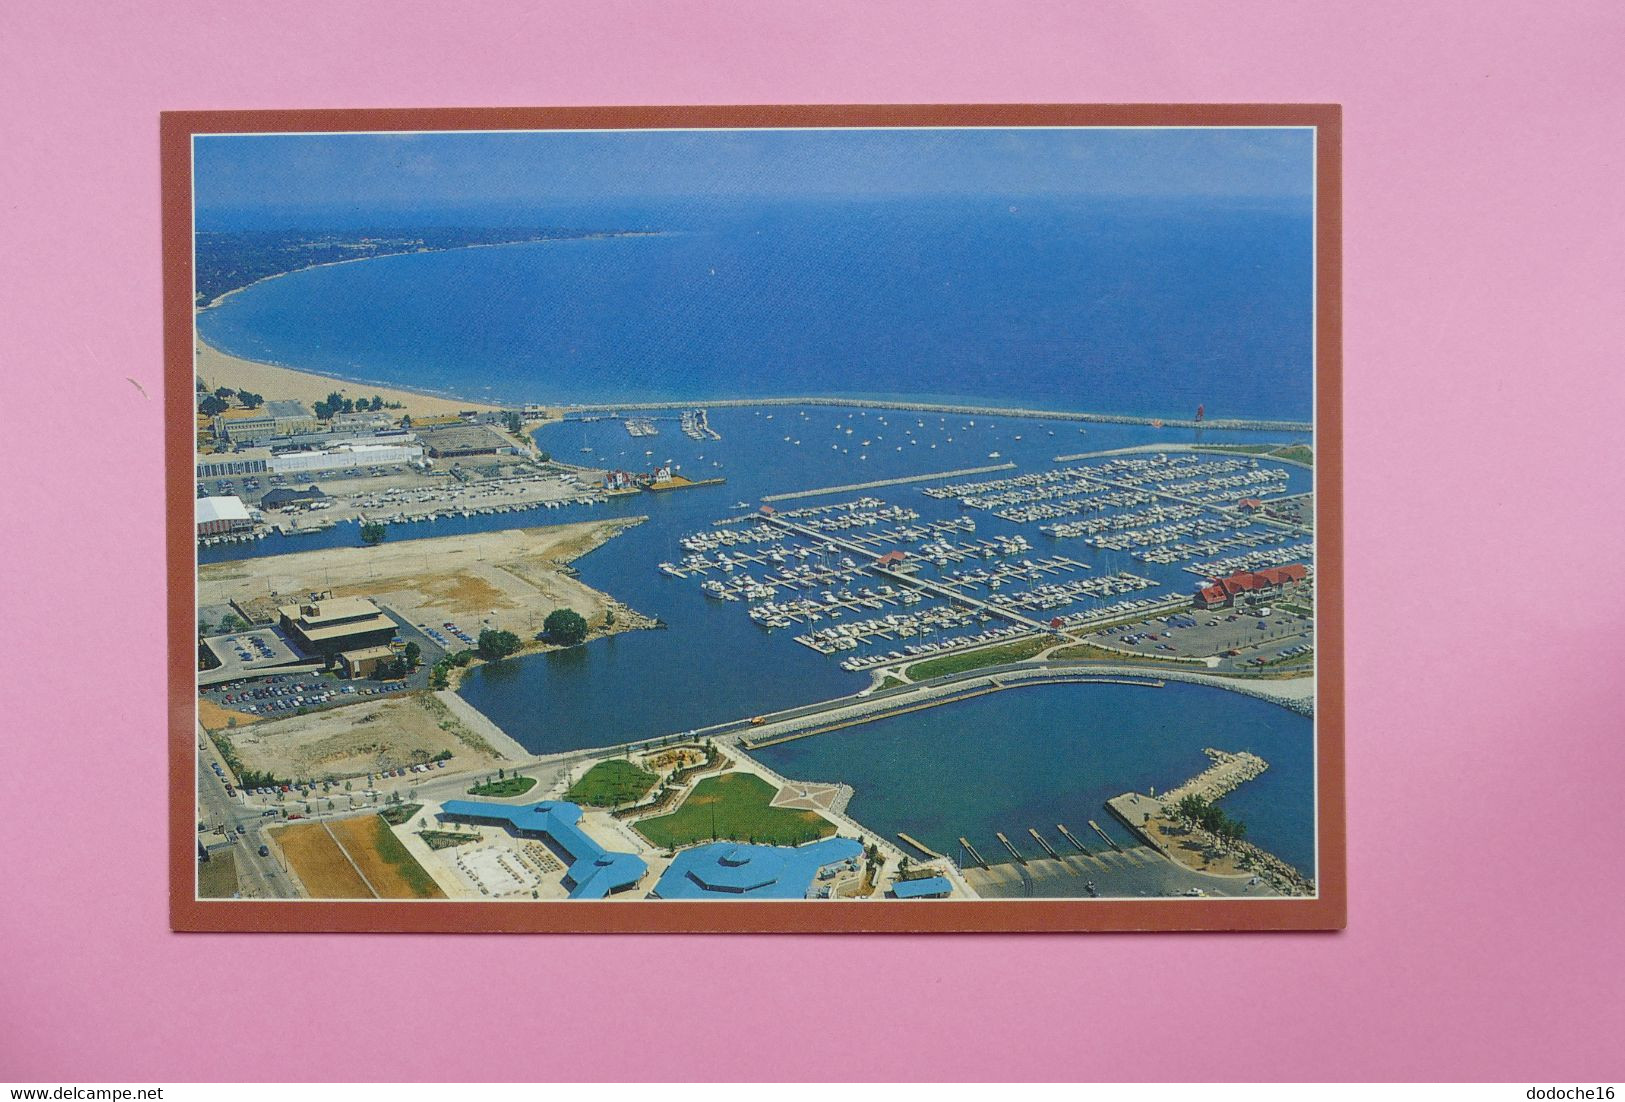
(853, 514)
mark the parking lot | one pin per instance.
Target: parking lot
(1240, 638)
(274, 695)
(250, 650)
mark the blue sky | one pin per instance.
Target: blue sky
(280, 178)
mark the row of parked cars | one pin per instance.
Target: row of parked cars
(405, 769)
(1294, 651)
(244, 643)
(452, 629)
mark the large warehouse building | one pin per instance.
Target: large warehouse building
(216, 515)
(450, 441)
(344, 456)
(276, 418)
(336, 624)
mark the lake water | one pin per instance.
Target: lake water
(1108, 306)
(1136, 309)
(1038, 756)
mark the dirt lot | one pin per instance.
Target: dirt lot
(509, 580)
(389, 868)
(360, 739)
(319, 863)
(217, 877)
(215, 718)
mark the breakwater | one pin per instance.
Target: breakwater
(1158, 822)
(1227, 773)
(972, 410)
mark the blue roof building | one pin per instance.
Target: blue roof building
(733, 869)
(926, 887)
(594, 872)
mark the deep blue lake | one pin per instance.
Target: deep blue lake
(1038, 756)
(1110, 306)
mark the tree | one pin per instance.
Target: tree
(213, 406)
(565, 627)
(373, 533)
(497, 644)
(225, 393)
(250, 400)
(513, 421)
(377, 404)
(413, 654)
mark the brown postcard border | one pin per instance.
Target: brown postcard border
(1328, 911)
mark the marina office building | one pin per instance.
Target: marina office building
(336, 624)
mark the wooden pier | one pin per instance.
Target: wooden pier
(1104, 837)
(1013, 851)
(1039, 838)
(904, 480)
(976, 858)
(921, 846)
(1067, 834)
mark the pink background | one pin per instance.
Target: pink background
(1486, 671)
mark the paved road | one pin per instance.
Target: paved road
(257, 877)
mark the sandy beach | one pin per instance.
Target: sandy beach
(217, 369)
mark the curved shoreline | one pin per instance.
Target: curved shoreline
(217, 368)
(970, 407)
(599, 236)
(221, 368)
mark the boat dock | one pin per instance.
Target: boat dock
(1006, 843)
(697, 425)
(1104, 837)
(1039, 838)
(976, 858)
(853, 487)
(921, 846)
(1067, 834)
(907, 580)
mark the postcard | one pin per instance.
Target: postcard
(755, 518)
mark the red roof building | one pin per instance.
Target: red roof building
(1251, 504)
(1223, 593)
(891, 558)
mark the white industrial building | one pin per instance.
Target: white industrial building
(343, 457)
(222, 514)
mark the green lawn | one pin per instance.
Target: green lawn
(612, 783)
(734, 806)
(511, 786)
(976, 659)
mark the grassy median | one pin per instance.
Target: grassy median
(1017, 651)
